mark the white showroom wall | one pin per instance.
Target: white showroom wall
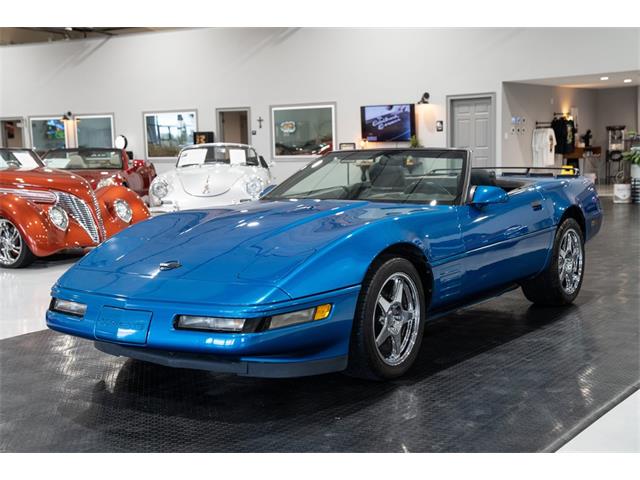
(217, 68)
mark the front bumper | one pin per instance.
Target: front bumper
(196, 203)
(282, 369)
(305, 349)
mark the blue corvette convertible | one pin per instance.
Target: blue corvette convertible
(337, 268)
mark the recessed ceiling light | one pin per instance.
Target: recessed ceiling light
(604, 78)
(627, 80)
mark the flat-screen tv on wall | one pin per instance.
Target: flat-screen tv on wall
(388, 123)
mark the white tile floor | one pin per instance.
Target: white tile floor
(616, 431)
(24, 298)
(25, 295)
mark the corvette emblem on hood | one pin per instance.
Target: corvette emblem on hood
(172, 265)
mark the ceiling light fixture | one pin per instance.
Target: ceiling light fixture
(627, 80)
(604, 78)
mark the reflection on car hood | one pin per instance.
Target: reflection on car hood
(253, 243)
(94, 176)
(47, 179)
(211, 180)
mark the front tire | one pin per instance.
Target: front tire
(389, 321)
(560, 283)
(14, 251)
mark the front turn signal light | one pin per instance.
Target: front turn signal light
(301, 316)
(322, 311)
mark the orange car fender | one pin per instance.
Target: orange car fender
(32, 221)
(108, 195)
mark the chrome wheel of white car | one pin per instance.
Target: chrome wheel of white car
(10, 243)
(396, 319)
(570, 261)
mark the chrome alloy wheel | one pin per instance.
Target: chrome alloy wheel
(10, 243)
(570, 258)
(396, 319)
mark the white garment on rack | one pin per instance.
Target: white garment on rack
(543, 145)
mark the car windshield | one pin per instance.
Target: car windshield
(84, 159)
(405, 176)
(227, 154)
(22, 159)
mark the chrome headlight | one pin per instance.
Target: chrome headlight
(249, 325)
(301, 316)
(67, 306)
(160, 188)
(190, 322)
(59, 217)
(123, 211)
(106, 182)
(253, 187)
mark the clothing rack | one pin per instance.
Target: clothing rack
(548, 124)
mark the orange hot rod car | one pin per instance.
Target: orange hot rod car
(44, 211)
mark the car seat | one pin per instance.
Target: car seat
(384, 174)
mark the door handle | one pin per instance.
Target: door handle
(536, 206)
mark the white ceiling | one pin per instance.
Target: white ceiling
(615, 80)
(18, 35)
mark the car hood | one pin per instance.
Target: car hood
(46, 179)
(257, 242)
(94, 176)
(211, 180)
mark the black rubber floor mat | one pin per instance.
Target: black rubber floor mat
(503, 376)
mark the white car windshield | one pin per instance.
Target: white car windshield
(22, 159)
(84, 159)
(226, 154)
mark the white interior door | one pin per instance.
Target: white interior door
(473, 126)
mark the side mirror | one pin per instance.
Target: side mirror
(267, 190)
(486, 195)
(270, 163)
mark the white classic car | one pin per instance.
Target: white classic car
(209, 175)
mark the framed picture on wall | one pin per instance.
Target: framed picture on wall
(202, 137)
(302, 131)
(48, 132)
(95, 131)
(166, 133)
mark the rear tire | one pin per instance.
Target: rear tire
(560, 283)
(389, 322)
(14, 251)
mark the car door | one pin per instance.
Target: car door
(504, 242)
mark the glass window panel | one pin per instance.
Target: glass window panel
(94, 132)
(169, 132)
(302, 130)
(47, 133)
(411, 176)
